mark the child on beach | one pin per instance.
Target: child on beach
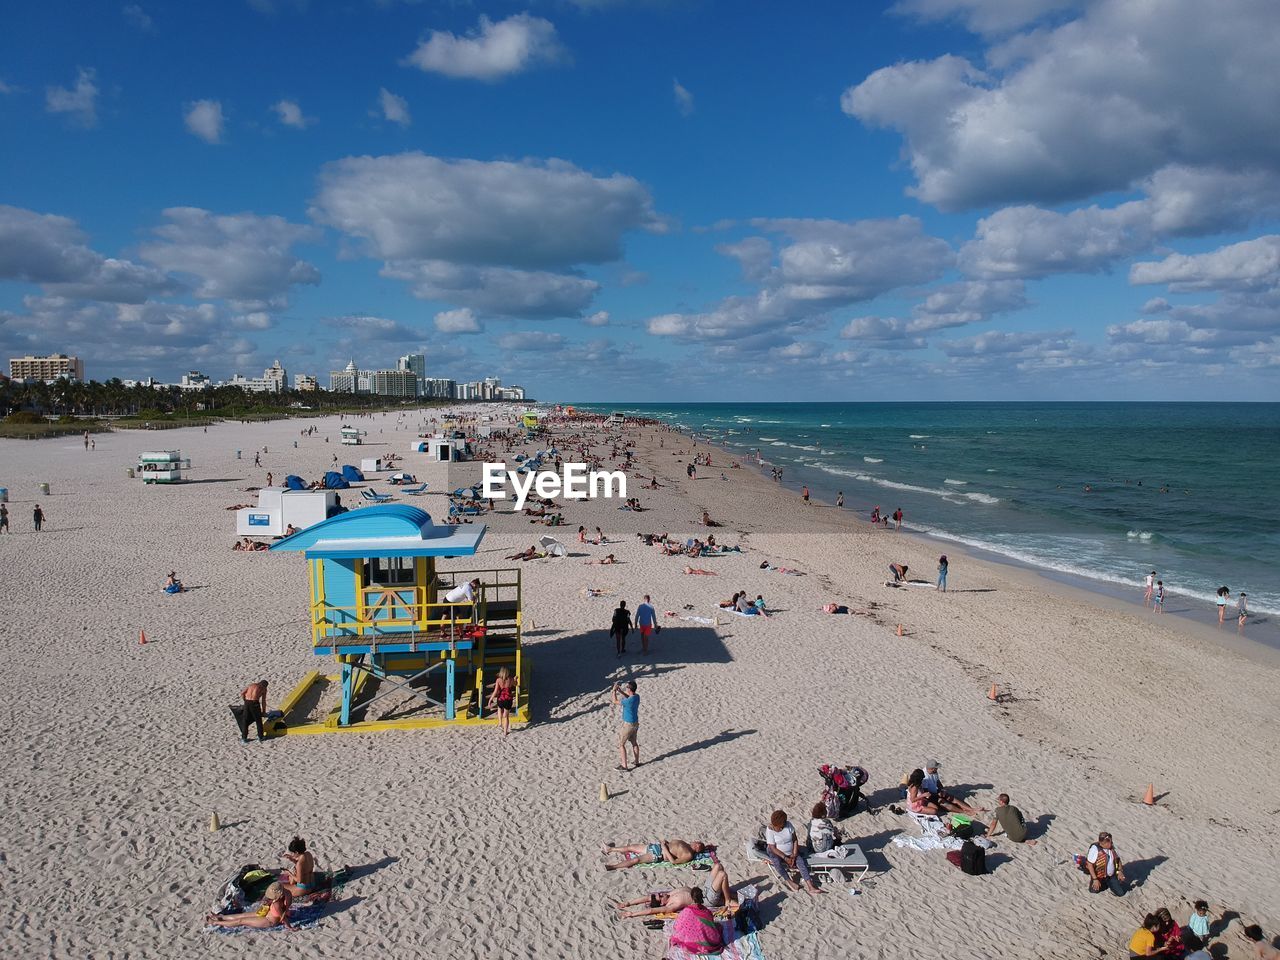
(503, 699)
(1151, 589)
(1199, 921)
(1242, 610)
(1157, 605)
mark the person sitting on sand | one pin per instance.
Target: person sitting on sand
(824, 835)
(172, 584)
(278, 900)
(1143, 941)
(609, 558)
(782, 848)
(732, 603)
(1260, 948)
(919, 800)
(707, 521)
(899, 571)
(1009, 819)
(529, 554)
(695, 929)
(290, 530)
(932, 784)
(1103, 865)
(716, 892)
(302, 868)
(1169, 941)
(674, 852)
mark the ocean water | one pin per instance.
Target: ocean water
(1191, 490)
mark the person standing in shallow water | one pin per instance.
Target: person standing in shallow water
(840, 498)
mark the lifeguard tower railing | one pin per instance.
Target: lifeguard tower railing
(480, 637)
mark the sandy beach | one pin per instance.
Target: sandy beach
(465, 844)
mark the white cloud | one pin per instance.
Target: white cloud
(138, 17)
(394, 108)
(492, 51)
(79, 103)
(50, 251)
(290, 114)
(7, 88)
(684, 99)
(530, 215)
(204, 119)
(984, 16)
(1088, 106)
(244, 257)
(462, 320)
(598, 319)
(1249, 265)
(496, 291)
(531, 341)
(365, 327)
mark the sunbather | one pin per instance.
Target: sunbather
(716, 893)
(172, 584)
(529, 554)
(700, 573)
(610, 558)
(302, 868)
(695, 929)
(278, 900)
(674, 852)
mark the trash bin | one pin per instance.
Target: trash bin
(44, 488)
(129, 471)
(4, 494)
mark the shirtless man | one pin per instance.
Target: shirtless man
(255, 708)
(674, 852)
(716, 893)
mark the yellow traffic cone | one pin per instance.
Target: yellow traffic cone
(604, 793)
(214, 825)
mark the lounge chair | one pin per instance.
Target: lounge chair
(372, 496)
(415, 491)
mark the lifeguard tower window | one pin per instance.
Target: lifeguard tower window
(389, 572)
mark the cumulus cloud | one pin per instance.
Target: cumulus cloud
(491, 51)
(394, 108)
(984, 16)
(462, 320)
(531, 341)
(684, 99)
(531, 215)
(244, 257)
(138, 17)
(952, 305)
(204, 119)
(79, 103)
(1087, 106)
(496, 291)
(50, 250)
(1039, 344)
(290, 114)
(1248, 265)
(598, 319)
(368, 327)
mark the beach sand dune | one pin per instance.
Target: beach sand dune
(466, 844)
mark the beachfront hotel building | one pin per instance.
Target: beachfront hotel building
(305, 382)
(393, 383)
(56, 366)
(438, 388)
(277, 376)
(345, 380)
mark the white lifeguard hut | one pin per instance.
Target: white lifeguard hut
(352, 436)
(162, 466)
(443, 449)
(280, 508)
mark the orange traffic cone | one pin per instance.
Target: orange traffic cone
(993, 693)
(899, 629)
(142, 636)
(1149, 798)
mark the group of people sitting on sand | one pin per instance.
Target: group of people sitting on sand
(298, 880)
(691, 909)
(740, 602)
(1162, 936)
(244, 543)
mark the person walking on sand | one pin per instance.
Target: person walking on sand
(253, 700)
(257, 459)
(804, 492)
(627, 701)
(4, 519)
(646, 623)
(1242, 610)
(942, 573)
(840, 498)
(1151, 589)
(1224, 594)
(897, 519)
(503, 699)
(621, 626)
(37, 517)
(269, 478)
(1157, 603)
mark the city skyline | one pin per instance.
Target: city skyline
(927, 199)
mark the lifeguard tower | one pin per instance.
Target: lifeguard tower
(352, 436)
(407, 657)
(162, 466)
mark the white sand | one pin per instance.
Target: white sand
(479, 847)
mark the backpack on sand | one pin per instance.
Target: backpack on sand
(973, 859)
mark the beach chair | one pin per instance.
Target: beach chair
(373, 496)
(415, 491)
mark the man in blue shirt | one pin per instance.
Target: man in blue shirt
(646, 620)
(628, 700)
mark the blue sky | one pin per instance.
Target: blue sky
(630, 200)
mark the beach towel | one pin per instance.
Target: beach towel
(692, 619)
(738, 945)
(702, 861)
(243, 894)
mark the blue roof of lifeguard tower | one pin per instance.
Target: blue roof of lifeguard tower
(385, 530)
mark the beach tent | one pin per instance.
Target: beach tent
(552, 547)
(351, 473)
(294, 482)
(335, 481)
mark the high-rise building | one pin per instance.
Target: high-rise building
(437, 388)
(393, 383)
(416, 362)
(56, 366)
(277, 375)
(305, 382)
(194, 380)
(345, 381)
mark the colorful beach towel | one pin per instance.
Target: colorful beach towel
(700, 862)
(738, 945)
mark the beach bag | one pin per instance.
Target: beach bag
(953, 858)
(695, 929)
(973, 859)
(835, 807)
(822, 835)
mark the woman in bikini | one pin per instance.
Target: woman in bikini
(277, 899)
(302, 868)
(503, 699)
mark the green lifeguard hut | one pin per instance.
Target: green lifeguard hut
(379, 608)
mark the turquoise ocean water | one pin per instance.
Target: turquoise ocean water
(1189, 490)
